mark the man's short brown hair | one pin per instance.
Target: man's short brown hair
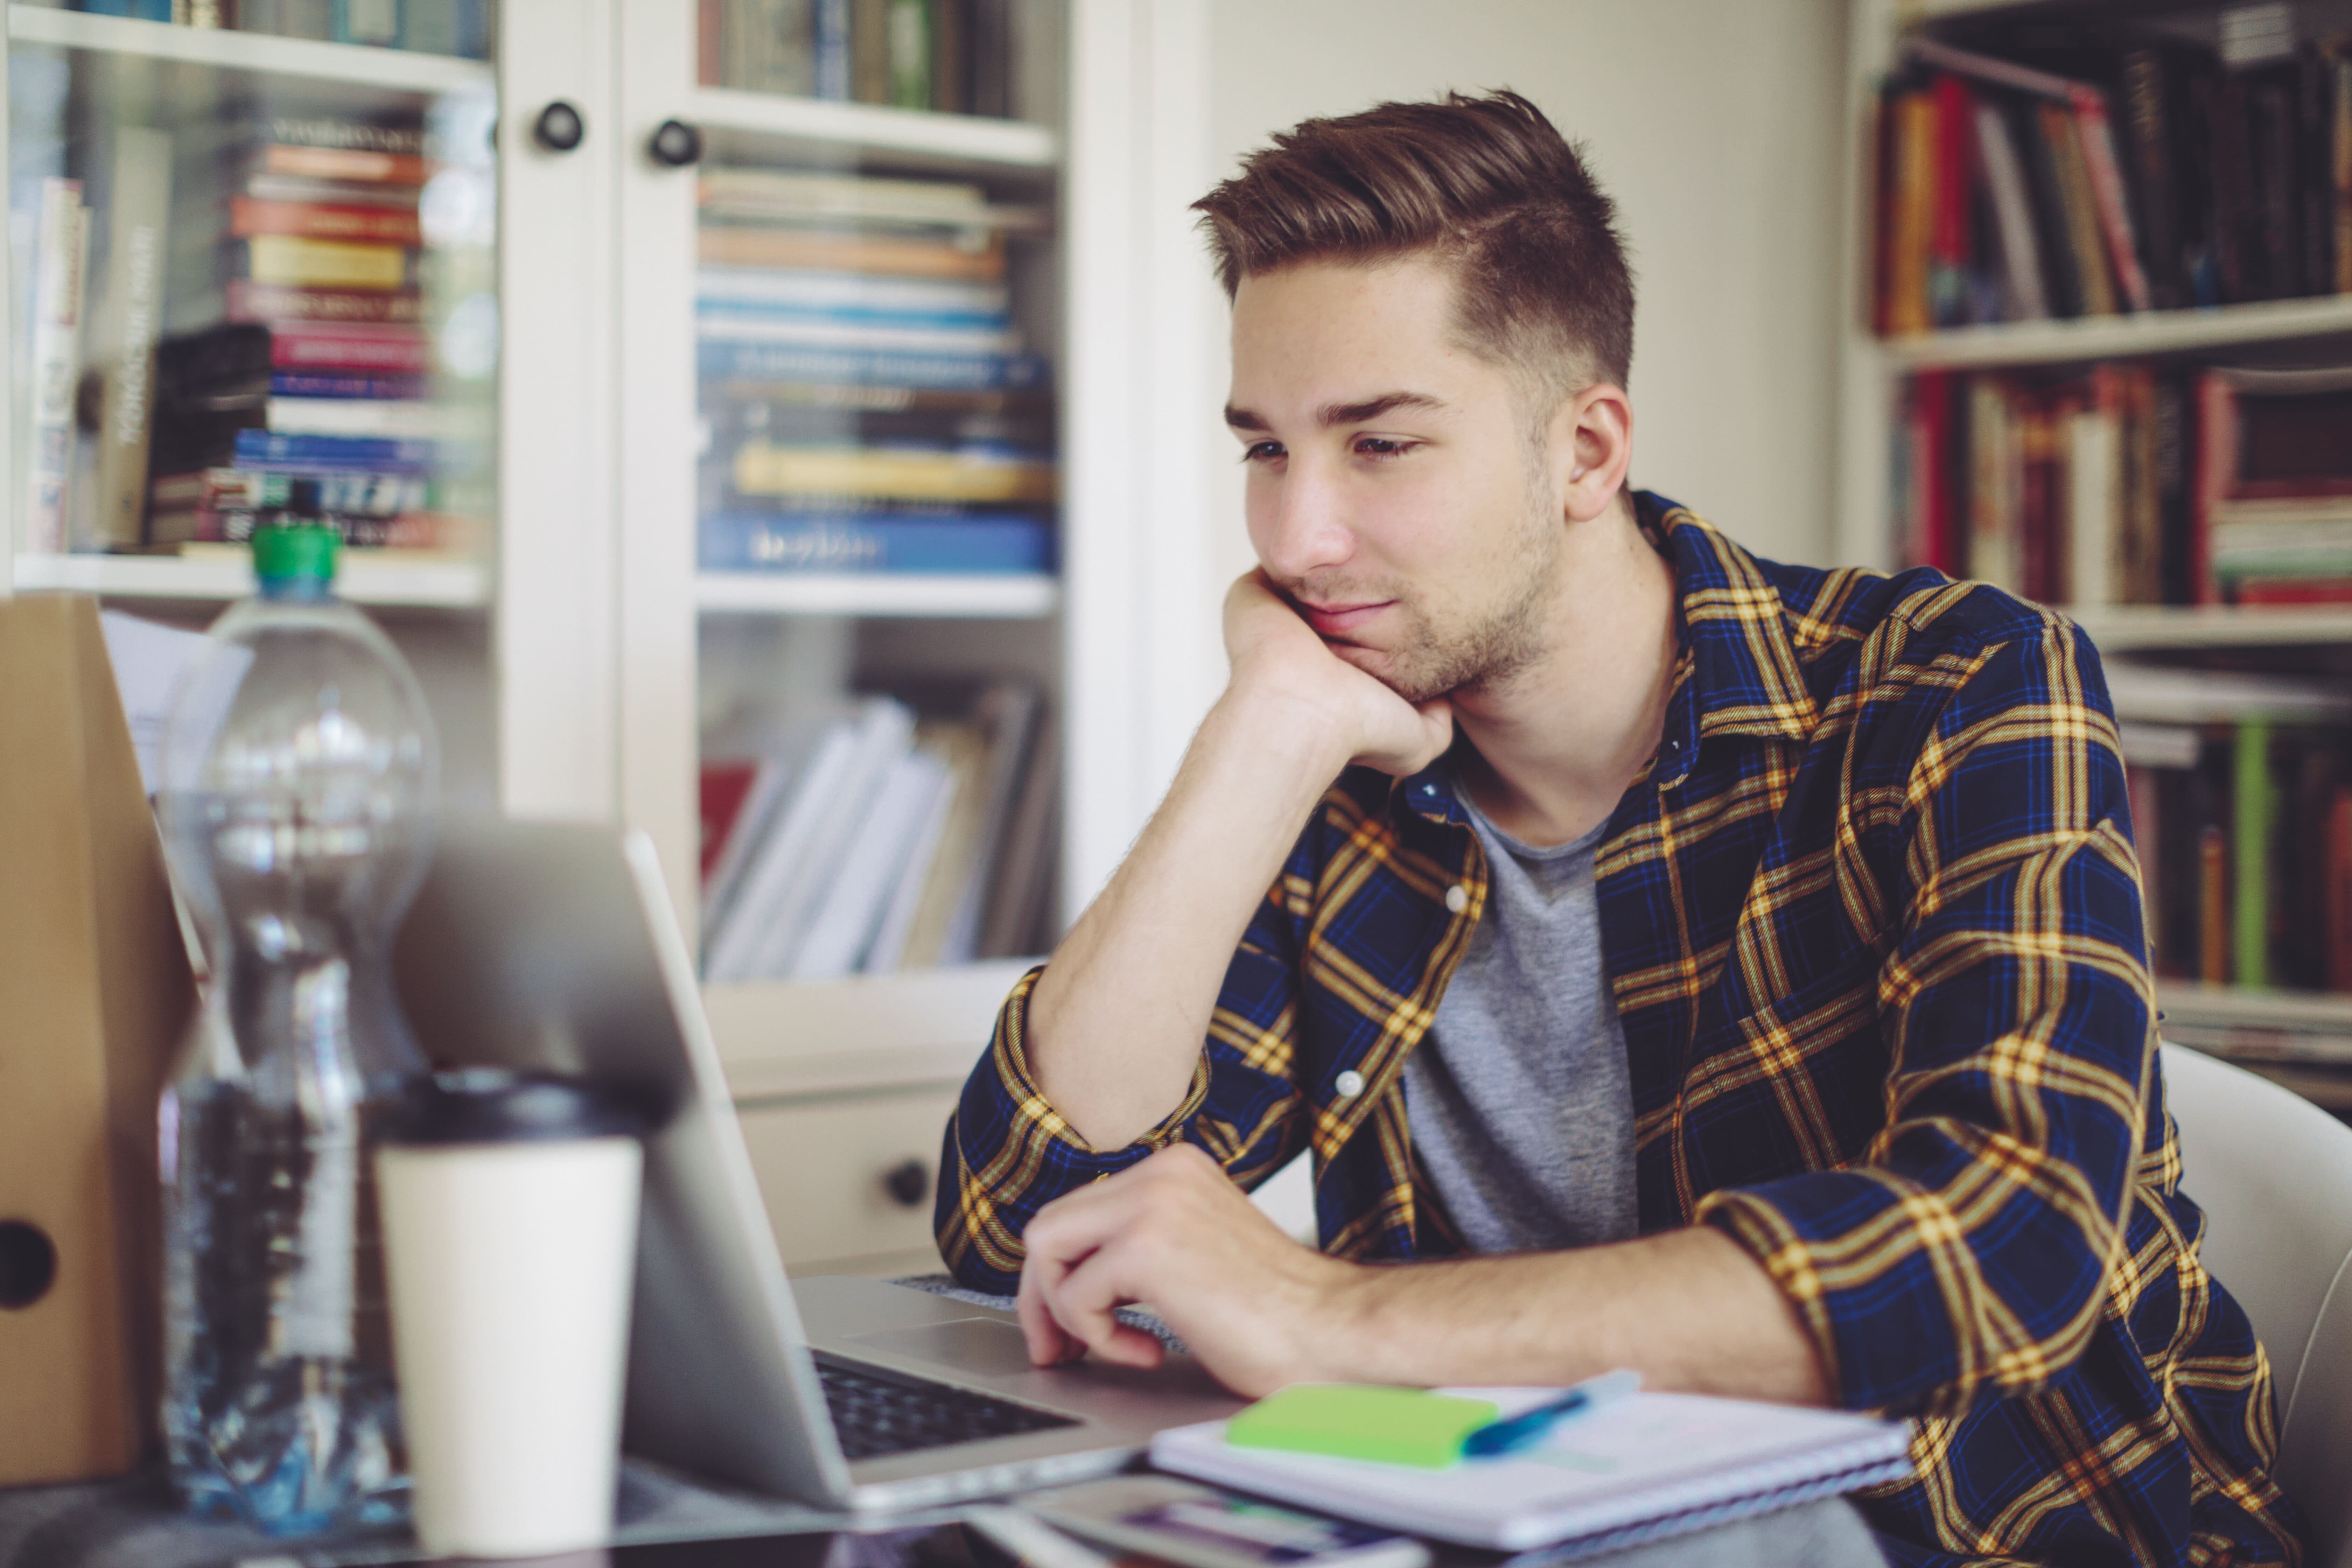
(1486, 185)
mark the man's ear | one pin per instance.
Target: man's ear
(1590, 445)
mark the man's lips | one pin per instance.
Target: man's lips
(1339, 620)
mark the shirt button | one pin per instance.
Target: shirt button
(1457, 898)
(1348, 1084)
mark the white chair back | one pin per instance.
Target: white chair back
(2273, 1175)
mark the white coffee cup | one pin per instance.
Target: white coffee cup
(509, 1211)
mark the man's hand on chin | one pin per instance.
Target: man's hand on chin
(1176, 1233)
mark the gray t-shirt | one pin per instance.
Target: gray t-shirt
(1520, 1100)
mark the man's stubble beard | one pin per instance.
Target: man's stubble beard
(1429, 663)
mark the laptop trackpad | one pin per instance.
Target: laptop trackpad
(981, 1347)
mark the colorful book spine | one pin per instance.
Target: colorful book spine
(55, 361)
(264, 449)
(301, 263)
(134, 302)
(388, 350)
(249, 217)
(274, 302)
(855, 542)
(2252, 809)
(299, 383)
(341, 163)
(871, 367)
(833, 55)
(263, 489)
(409, 419)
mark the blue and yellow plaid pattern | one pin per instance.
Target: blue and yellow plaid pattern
(1872, 920)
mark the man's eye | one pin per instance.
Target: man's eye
(1261, 451)
(1383, 447)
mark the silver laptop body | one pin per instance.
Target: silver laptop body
(554, 947)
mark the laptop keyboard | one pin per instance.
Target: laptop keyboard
(875, 1414)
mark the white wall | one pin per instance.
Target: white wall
(1714, 124)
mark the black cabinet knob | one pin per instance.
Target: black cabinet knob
(559, 127)
(909, 1182)
(676, 144)
(28, 1263)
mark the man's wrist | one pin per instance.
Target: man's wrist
(1283, 730)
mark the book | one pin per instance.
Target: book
(2151, 109)
(756, 193)
(408, 532)
(881, 334)
(1910, 225)
(783, 887)
(910, 50)
(300, 189)
(298, 262)
(2095, 520)
(341, 383)
(836, 365)
(250, 300)
(264, 449)
(1950, 209)
(397, 418)
(802, 542)
(826, 251)
(2022, 295)
(850, 296)
(831, 50)
(848, 916)
(351, 346)
(1012, 925)
(961, 475)
(333, 163)
(330, 490)
(1013, 713)
(959, 749)
(56, 369)
(250, 217)
(1633, 1469)
(130, 318)
(737, 798)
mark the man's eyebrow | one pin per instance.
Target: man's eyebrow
(1335, 413)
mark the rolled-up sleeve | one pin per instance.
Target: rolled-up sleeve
(1966, 1253)
(1008, 1153)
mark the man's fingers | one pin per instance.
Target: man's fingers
(1086, 1298)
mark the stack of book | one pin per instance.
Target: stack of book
(881, 840)
(2133, 484)
(2110, 172)
(952, 56)
(2241, 808)
(432, 26)
(871, 404)
(309, 391)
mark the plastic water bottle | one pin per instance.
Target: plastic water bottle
(298, 774)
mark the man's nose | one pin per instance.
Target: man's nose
(1307, 530)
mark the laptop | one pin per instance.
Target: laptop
(553, 947)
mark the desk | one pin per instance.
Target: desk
(134, 1523)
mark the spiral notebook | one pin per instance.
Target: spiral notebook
(1650, 1466)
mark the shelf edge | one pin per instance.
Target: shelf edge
(1013, 143)
(2108, 337)
(406, 70)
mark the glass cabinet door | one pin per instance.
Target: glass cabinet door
(864, 332)
(254, 281)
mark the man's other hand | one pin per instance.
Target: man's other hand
(1274, 651)
(1174, 1232)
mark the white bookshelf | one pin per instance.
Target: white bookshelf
(1025, 596)
(257, 54)
(420, 585)
(2116, 337)
(869, 130)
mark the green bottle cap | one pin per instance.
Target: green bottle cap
(303, 550)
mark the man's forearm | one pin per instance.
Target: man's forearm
(1689, 1309)
(1117, 1021)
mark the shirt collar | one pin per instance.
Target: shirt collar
(1737, 673)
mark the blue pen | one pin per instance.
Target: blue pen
(1513, 1432)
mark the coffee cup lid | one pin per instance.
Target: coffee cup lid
(495, 1105)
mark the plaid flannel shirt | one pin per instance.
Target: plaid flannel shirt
(1872, 920)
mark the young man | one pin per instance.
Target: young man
(1730, 971)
